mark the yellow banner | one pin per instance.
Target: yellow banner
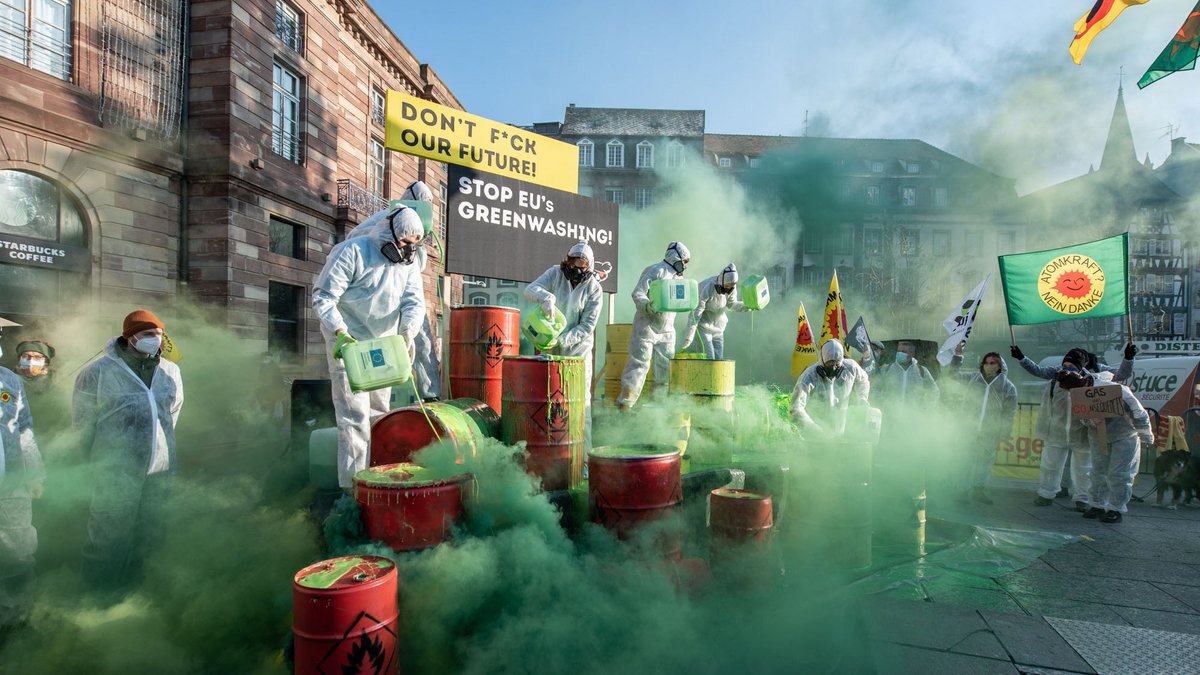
(805, 353)
(425, 129)
(833, 324)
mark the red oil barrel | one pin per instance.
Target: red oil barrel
(740, 517)
(345, 616)
(402, 432)
(544, 399)
(632, 485)
(480, 337)
(405, 508)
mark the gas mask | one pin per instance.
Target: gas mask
(1073, 378)
(575, 275)
(725, 290)
(394, 250)
(678, 266)
(830, 370)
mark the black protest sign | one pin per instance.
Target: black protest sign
(509, 229)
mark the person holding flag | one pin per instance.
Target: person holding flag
(959, 323)
(716, 296)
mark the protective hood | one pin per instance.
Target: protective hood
(832, 350)
(582, 250)
(418, 191)
(728, 276)
(676, 253)
(398, 224)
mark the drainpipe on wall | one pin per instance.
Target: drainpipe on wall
(184, 128)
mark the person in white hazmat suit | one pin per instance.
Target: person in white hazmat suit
(369, 288)
(1115, 463)
(572, 288)
(21, 476)
(426, 365)
(826, 389)
(653, 334)
(906, 381)
(991, 409)
(709, 319)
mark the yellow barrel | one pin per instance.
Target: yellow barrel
(709, 382)
(616, 354)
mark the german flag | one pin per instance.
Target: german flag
(1103, 13)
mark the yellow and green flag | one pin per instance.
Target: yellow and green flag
(833, 324)
(1103, 13)
(1179, 54)
(805, 353)
(1084, 281)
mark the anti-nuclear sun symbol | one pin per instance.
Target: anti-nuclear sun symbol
(1071, 284)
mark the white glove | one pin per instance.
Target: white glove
(548, 306)
(687, 340)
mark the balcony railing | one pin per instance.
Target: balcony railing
(354, 196)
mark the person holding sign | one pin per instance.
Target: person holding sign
(370, 287)
(653, 333)
(716, 295)
(571, 287)
(1117, 425)
(825, 390)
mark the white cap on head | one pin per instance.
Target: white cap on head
(832, 350)
(676, 252)
(418, 191)
(582, 250)
(728, 276)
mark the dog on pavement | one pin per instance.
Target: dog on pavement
(1177, 470)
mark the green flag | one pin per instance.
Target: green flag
(1180, 52)
(1084, 281)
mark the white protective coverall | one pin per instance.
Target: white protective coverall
(991, 407)
(912, 384)
(362, 292)
(1115, 467)
(709, 318)
(653, 334)
(127, 431)
(822, 395)
(581, 306)
(20, 467)
(426, 363)
(1063, 436)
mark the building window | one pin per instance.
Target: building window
(289, 27)
(645, 155)
(876, 167)
(377, 169)
(908, 196)
(873, 241)
(616, 153)
(36, 33)
(506, 283)
(479, 299)
(754, 162)
(378, 107)
(910, 242)
(724, 162)
(845, 241)
(941, 197)
(586, 153)
(614, 195)
(35, 208)
(811, 276)
(643, 197)
(508, 300)
(286, 239)
(285, 115)
(283, 317)
(941, 243)
(971, 242)
(912, 167)
(812, 242)
(873, 194)
(674, 154)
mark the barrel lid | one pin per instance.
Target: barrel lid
(345, 572)
(633, 451)
(749, 495)
(506, 310)
(541, 357)
(404, 475)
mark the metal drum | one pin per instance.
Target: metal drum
(403, 507)
(396, 436)
(632, 485)
(544, 405)
(709, 383)
(741, 524)
(480, 337)
(345, 615)
(616, 355)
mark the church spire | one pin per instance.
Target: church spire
(1118, 148)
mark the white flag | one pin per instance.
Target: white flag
(959, 323)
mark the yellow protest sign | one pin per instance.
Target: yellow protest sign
(426, 129)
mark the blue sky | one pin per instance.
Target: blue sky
(991, 82)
